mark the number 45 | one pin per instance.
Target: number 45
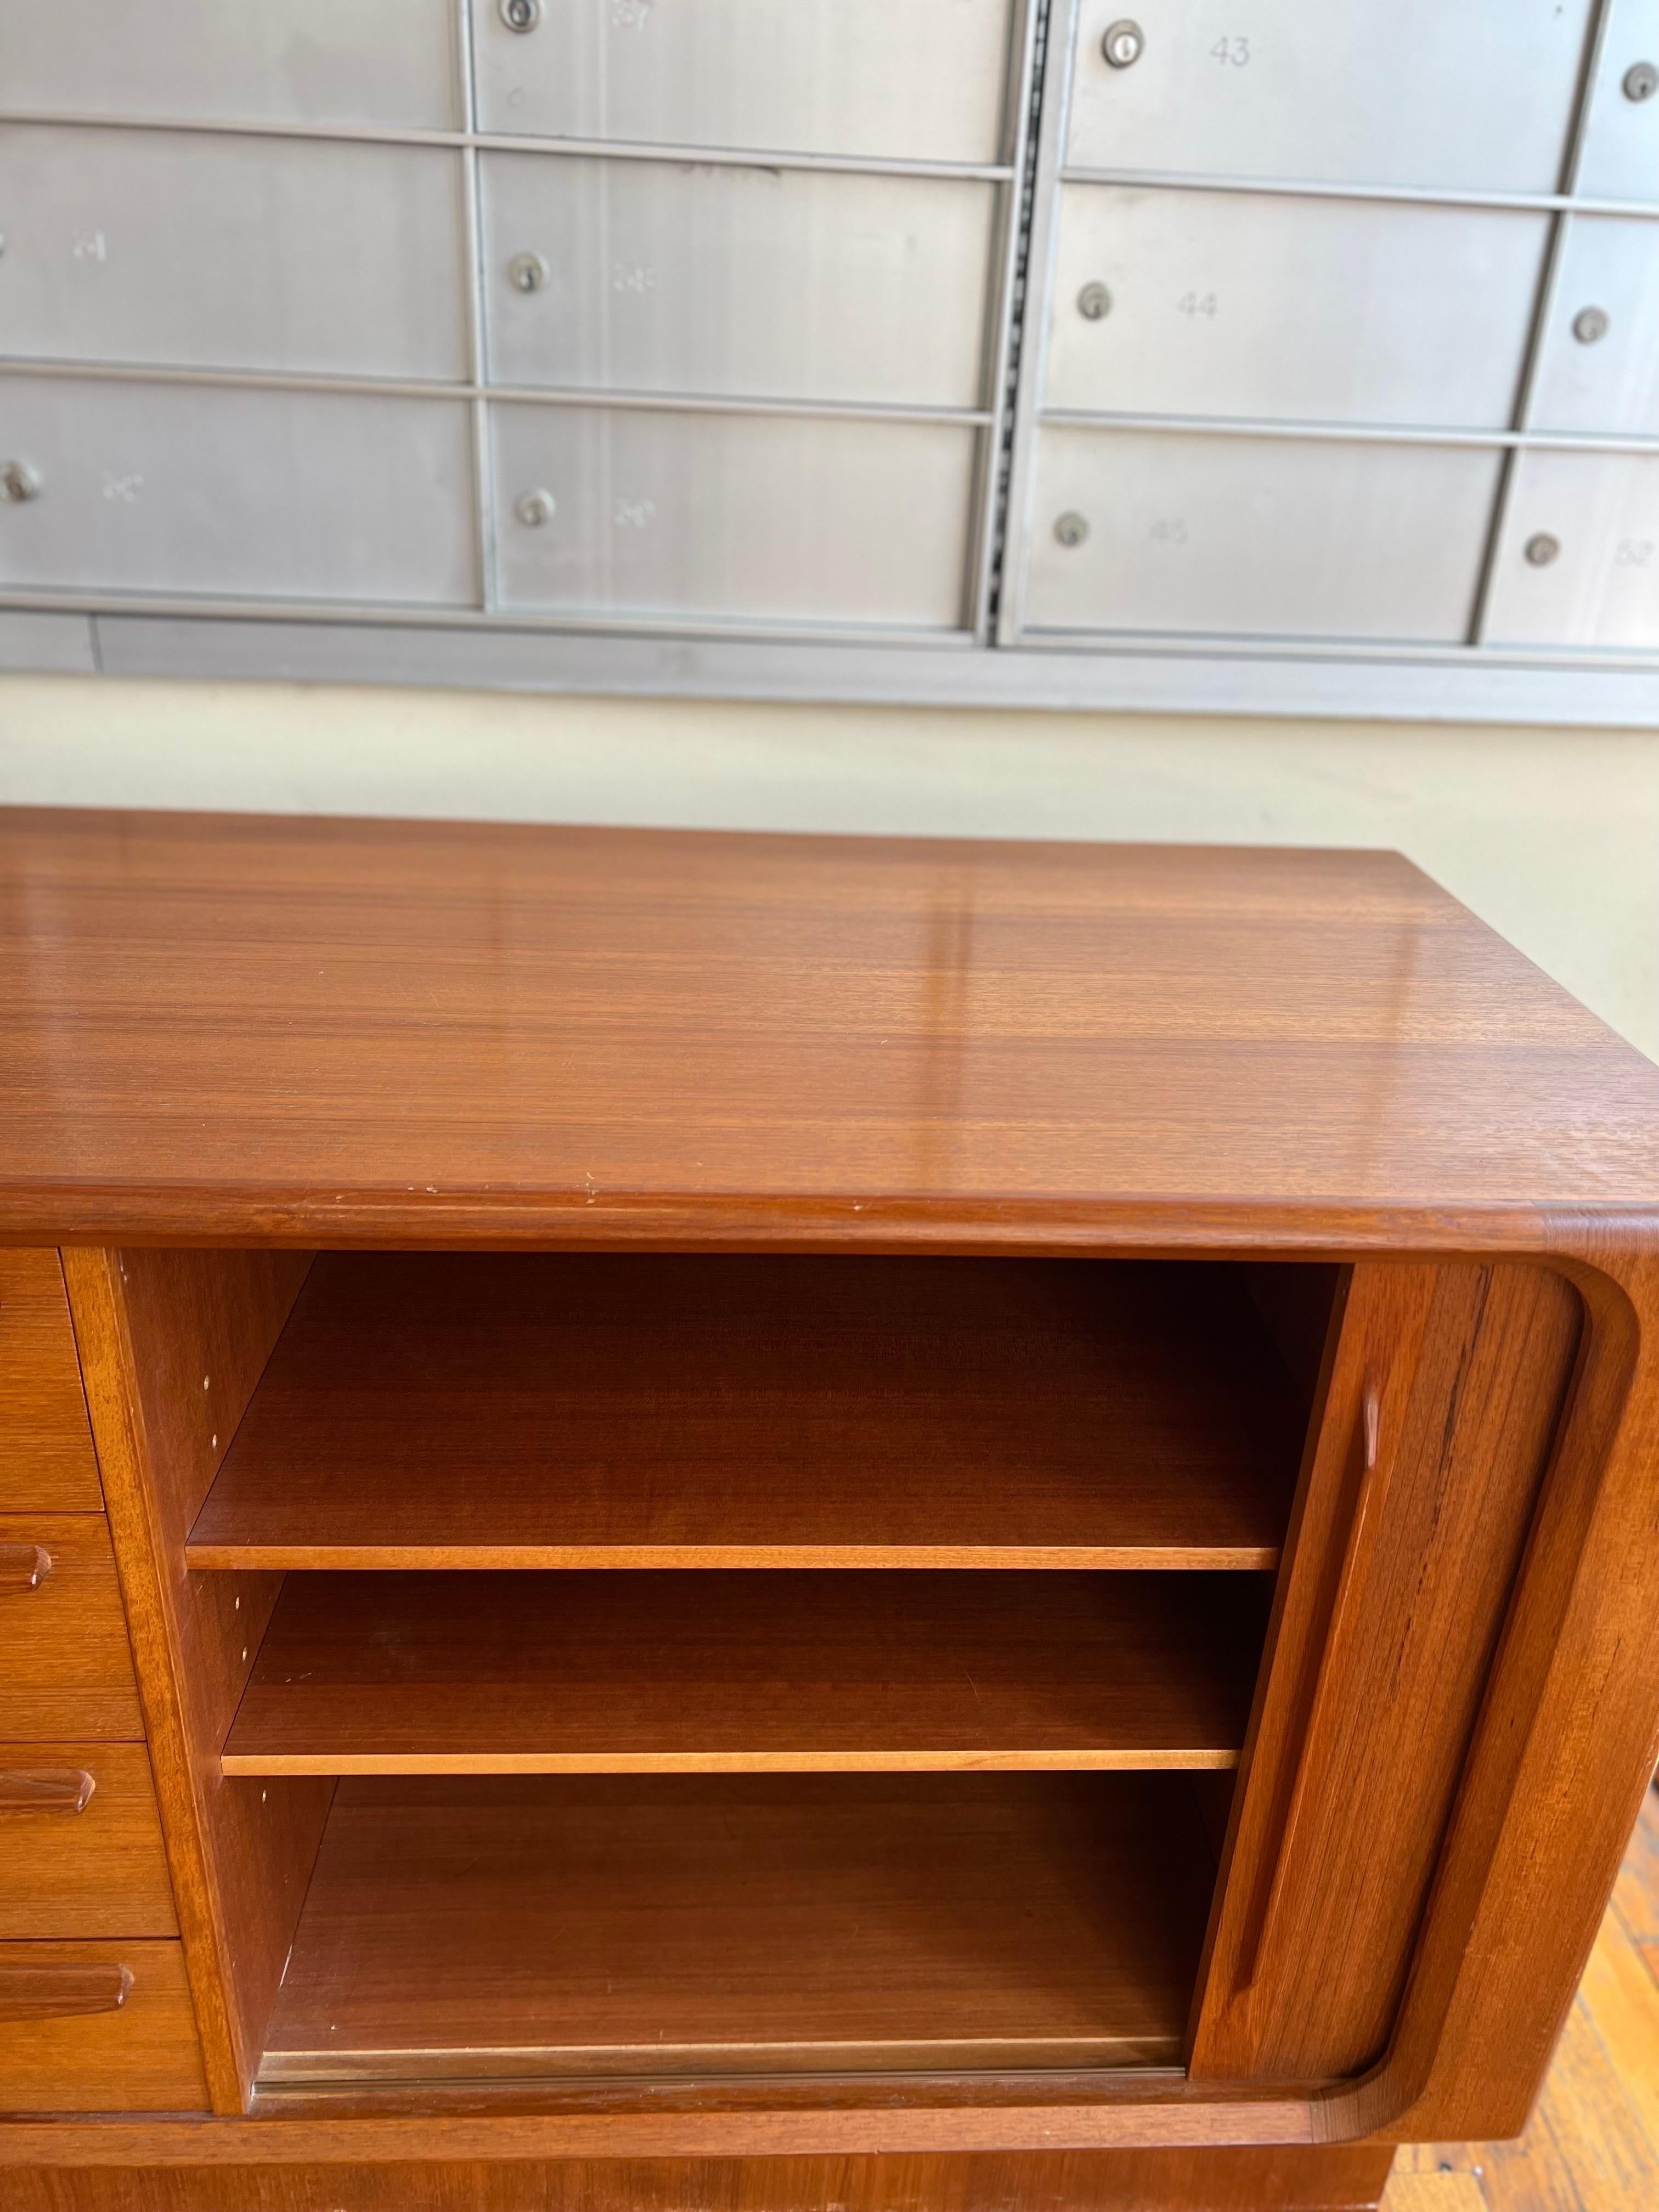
(1231, 53)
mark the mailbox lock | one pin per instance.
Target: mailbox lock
(1124, 43)
(18, 481)
(1641, 81)
(1093, 302)
(521, 14)
(535, 508)
(1071, 529)
(1542, 549)
(1589, 325)
(527, 272)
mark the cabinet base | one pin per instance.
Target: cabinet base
(1343, 2179)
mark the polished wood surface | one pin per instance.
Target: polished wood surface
(225, 1027)
(724, 1924)
(1399, 1578)
(46, 1462)
(66, 1668)
(597, 1673)
(172, 1345)
(457, 1410)
(1295, 2180)
(80, 1849)
(97, 2027)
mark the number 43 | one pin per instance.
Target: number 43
(1231, 53)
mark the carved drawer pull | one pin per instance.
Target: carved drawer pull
(45, 1790)
(55, 1992)
(23, 1567)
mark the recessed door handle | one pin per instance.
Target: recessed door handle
(45, 1790)
(57, 1992)
(23, 1567)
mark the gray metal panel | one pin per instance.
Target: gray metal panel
(1472, 687)
(175, 487)
(1619, 157)
(1241, 537)
(921, 81)
(1602, 586)
(1473, 93)
(57, 645)
(1320, 310)
(230, 252)
(767, 518)
(386, 62)
(745, 282)
(1611, 384)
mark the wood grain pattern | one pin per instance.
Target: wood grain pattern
(99, 1871)
(728, 1924)
(65, 1669)
(137, 2056)
(1294, 2180)
(419, 1033)
(172, 1345)
(597, 1673)
(1399, 1586)
(46, 1462)
(446, 1410)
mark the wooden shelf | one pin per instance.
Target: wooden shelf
(491, 1928)
(531, 1673)
(429, 1410)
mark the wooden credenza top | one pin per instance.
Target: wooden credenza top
(311, 1031)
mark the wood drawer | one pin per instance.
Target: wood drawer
(67, 2045)
(65, 1668)
(46, 1461)
(99, 1871)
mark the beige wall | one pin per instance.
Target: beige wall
(1552, 835)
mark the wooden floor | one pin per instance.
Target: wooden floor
(1594, 2142)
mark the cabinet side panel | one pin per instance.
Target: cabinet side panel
(171, 1345)
(1446, 1393)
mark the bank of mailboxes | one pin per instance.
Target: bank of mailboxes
(1335, 323)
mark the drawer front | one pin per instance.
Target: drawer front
(1478, 95)
(739, 515)
(1619, 158)
(1601, 512)
(289, 494)
(1305, 310)
(1266, 537)
(744, 283)
(923, 82)
(97, 2027)
(228, 253)
(1598, 367)
(81, 1851)
(297, 61)
(65, 1668)
(46, 1461)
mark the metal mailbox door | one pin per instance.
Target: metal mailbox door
(1619, 157)
(738, 281)
(747, 517)
(1578, 560)
(1139, 531)
(223, 252)
(230, 493)
(1313, 310)
(388, 63)
(920, 81)
(1598, 363)
(1477, 94)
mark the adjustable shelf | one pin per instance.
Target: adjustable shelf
(486, 1928)
(489, 1411)
(434, 1674)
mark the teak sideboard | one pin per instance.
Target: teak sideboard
(737, 1523)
